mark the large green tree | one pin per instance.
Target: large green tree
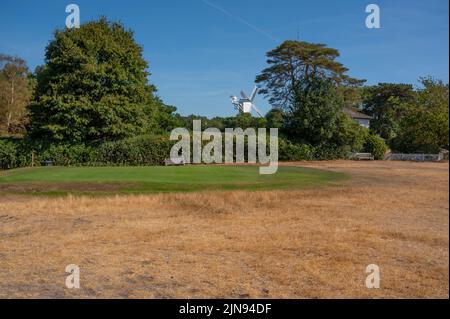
(307, 83)
(93, 86)
(315, 115)
(424, 128)
(387, 103)
(294, 62)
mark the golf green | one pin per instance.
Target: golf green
(155, 179)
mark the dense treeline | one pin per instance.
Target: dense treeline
(91, 104)
(410, 120)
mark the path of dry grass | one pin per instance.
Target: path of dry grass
(290, 244)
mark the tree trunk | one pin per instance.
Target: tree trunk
(10, 109)
(8, 121)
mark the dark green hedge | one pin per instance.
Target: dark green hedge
(8, 154)
(288, 151)
(152, 150)
(142, 150)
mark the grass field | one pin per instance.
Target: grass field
(310, 242)
(126, 180)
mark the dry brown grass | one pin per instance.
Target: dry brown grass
(311, 243)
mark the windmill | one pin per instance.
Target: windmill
(245, 104)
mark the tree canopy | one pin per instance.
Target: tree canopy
(424, 126)
(16, 86)
(386, 103)
(313, 117)
(93, 86)
(310, 87)
(293, 62)
(275, 118)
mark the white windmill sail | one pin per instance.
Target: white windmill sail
(252, 96)
(257, 110)
(245, 104)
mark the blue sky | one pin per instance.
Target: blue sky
(202, 51)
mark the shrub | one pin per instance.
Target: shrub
(65, 155)
(349, 137)
(8, 155)
(153, 150)
(289, 151)
(141, 150)
(331, 152)
(422, 131)
(375, 145)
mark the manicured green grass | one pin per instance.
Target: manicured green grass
(118, 180)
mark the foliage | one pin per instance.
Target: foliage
(305, 81)
(66, 155)
(246, 120)
(15, 152)
(16, 86)
(8, 155)
(376, 146)
(167, 119)
(352, 96)
(425, 125)
(243, 121)
(330, 152)
(292, 63)
(313, 116)
(348, 137)
(289, 151)
(93, 86)
(275, 118)
(142, 150)
(387, 103)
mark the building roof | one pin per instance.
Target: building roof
(354, 113)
